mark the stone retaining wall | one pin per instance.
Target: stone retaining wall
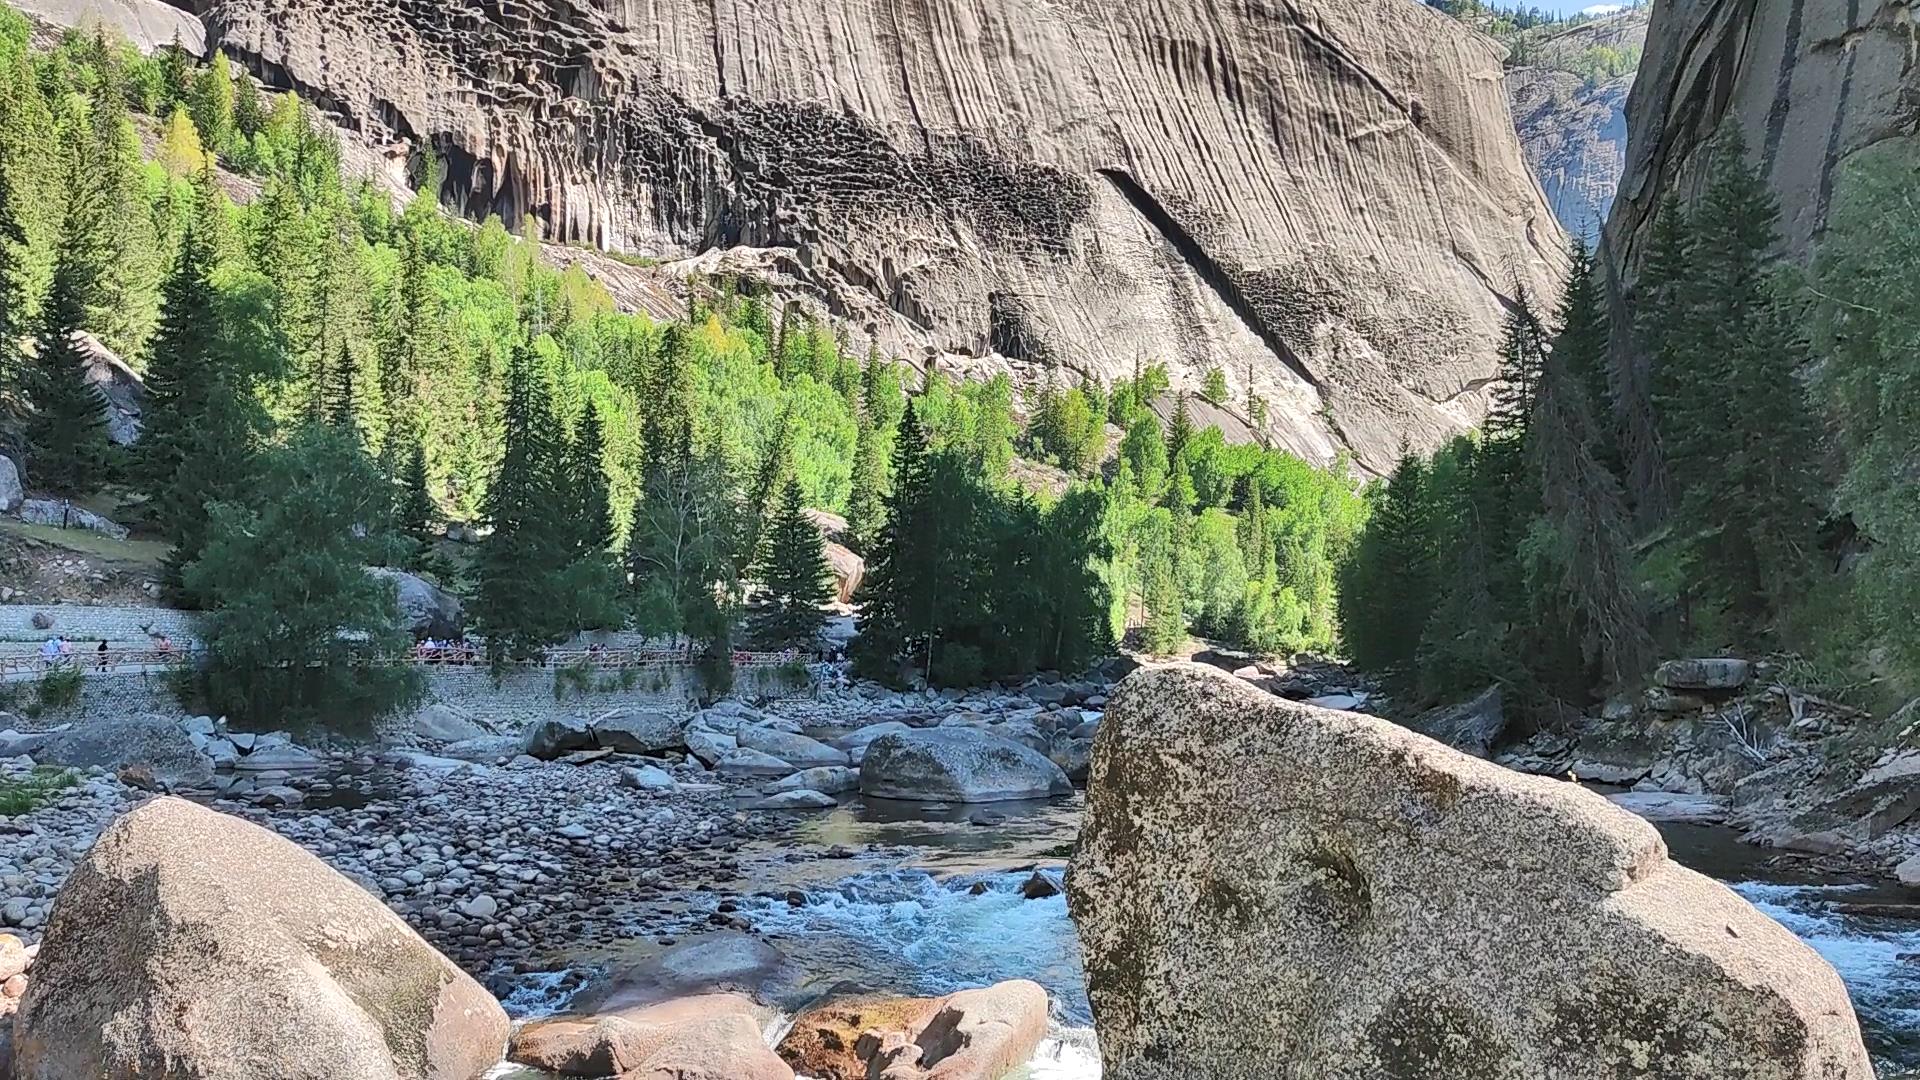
(518, 698)
(80, 623)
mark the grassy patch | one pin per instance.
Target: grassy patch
(132, 552)
(37, 789)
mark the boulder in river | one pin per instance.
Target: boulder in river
(638, 731)
(193, 944)
(711, 1037)
(1378, 905)
(797, 750)
(978, 1034)
(957, 764)
(149, 741)
(552, 736)
(426, 610)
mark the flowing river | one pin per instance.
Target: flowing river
(948, 913)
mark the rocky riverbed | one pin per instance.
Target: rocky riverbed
(558, 882)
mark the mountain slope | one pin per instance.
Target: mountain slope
(1325, 196)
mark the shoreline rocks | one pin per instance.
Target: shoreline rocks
(1381, 905)
(979, 1034)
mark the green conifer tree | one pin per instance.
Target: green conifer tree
(586, 479)
(899, 591)
(866, 502)
(67, 418)
(794, 575)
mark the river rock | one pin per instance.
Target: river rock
(1378, 905)
(11, 490)
(796, 750)
(1704, 673)
(1672, 806)
(978, 1034)
(855, 742)
(443, 723)
(831, 779)
(639, 731)
(1474, 726)
(190, 943)
(748, 762)
(646, 778)
(16, 744)
(711, 1037)
(552, 736)
(276, 757)
(155, 743)
(710, 746)
(797, 799)
(957, 765)
(61, 514)
(728, 960)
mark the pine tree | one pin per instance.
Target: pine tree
(586, 479)
(1659, 322)
(897, 620)
(67, 420)
(213, 102)
(866, 503)
(1581, 572)
(794, 575)
(415, 511)
(200, 418)
(1734, 424)
(338, 394)
(776, 463)
(249, 111)
(13, 253)
(1387, 587)
(518, 565)
(1180, 429)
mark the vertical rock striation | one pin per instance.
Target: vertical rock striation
(1810, 83)
(1326, 199)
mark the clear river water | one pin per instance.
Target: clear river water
(923, 923)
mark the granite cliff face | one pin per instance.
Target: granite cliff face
(1325, 198)
(1571, 116)
(1809, 82)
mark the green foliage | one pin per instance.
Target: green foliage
(39, 788)
(1867, 330)
(1214, 389)
(1738, 437)
(292, 613)
(1068, 428)
(60, 688)
(970, 582)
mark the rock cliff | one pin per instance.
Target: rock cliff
(1324, 198)
(1809, 82)
(1570, 110)
(1379, 906)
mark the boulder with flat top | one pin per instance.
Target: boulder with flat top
(1351, 900)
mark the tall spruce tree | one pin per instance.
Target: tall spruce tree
(1662, 353)
(67, 419)
(897, 620)
(586, 480)
(866, 501)
(13, 254)
(1387, 590)
(200, 418)
(1581, 570)
(1734, 423)
(794, 575)
(518, 563)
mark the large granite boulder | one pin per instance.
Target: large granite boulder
(797, 750)
(192, 944)
(1259, 881)
(426, 610)
(552, 736)
(639, 731)
(957, 764)
(156, 743)
(61, 514)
